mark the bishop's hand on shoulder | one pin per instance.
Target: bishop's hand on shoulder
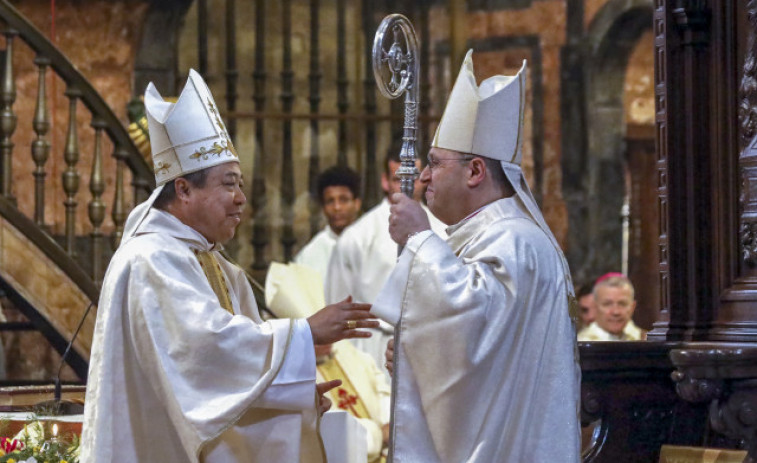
(406, 218)
(341, 321)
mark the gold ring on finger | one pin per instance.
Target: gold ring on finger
(351, 324)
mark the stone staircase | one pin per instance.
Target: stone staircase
(54, 275)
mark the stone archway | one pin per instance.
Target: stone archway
(611, 38)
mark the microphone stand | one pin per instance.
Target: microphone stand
(57, 407)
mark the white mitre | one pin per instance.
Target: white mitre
(185, 137)
(487, 120)
(293, 290)
(188, 135)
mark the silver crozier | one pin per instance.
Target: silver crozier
(396, 70)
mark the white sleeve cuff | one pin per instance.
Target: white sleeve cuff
(415, 240)
(293, 388)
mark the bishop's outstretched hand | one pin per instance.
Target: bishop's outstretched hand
(341, 321)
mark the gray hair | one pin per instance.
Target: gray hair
(615, 282)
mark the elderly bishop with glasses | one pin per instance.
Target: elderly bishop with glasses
(485, 368)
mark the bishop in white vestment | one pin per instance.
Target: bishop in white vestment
(182, 367)
(485, 360)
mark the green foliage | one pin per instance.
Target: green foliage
(36, 444)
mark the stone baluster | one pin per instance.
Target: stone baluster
(342, 83)
(371, 190)
(202, 37)
(232, 74)
(119, 213)
(71, 175)
(96, 204)
(259, 228)
(40, 146)
(288, 239)
(425, 83)
(7, 118)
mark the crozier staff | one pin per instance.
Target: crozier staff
(182, 367)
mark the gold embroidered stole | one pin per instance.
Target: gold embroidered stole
(213, 273)
(347, 397)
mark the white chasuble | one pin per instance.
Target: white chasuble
(175, 377)
(486, 361)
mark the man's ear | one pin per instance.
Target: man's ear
(384, 182)
(476, 172)
(182, 187)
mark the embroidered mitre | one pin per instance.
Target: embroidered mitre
(485, 120)
(188, 135)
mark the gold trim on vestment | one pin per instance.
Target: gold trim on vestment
(215, 277)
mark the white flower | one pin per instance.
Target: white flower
(29, 460)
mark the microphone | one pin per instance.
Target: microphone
(57, 407)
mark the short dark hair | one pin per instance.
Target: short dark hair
(584, 289)
(394, 155)
(167, 196)
(339, 176)
(494, 167)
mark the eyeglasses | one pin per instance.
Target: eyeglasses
(435, 162)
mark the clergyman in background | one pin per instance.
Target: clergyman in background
(615, 302)
(339, 197)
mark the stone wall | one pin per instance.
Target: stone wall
(532, 30)
(99, 37)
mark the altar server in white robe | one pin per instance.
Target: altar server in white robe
(339, 196)
(182, 368)
(485, 362)
(365, 255)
